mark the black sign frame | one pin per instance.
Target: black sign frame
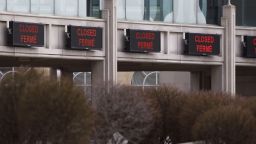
(24, 34)
(249, 48)
(150, 39)
(87, 36)
(208, 44)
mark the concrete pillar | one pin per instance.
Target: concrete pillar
(98, 75)
(217, 80)
(109, 14)
(178, 79)
(229, 22)
(205, 80)
(195, 81)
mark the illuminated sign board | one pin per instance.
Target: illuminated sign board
(202, 44)
(25, 34)
(84, 38)
(249, 48)
(143, 41)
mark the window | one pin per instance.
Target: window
(42, 6)
(82, 8)
(83, 80)
(94, 8)
(159, 10)
(134, 9)
(2, 5)
(74, 8)
(245, 10)
(18, 6)
(152, 8)
(203, 7)
(214, 10)
(5, 72)
(174, 11)
(167, 11)
(120, 9)
(66, 7)
(145, 79)
(184, 11)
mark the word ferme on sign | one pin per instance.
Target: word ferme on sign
(202, 44)
(84, 38)
(23, 34)
(249, 47)
(142, 41)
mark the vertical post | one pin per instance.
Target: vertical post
(217, 78)
(109, 14)
(98, 75)
(229, 22)
(194, 81)
(49, 36)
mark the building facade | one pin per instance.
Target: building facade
(194, 44)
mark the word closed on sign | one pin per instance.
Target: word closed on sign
(202, 44)
(249, 49)
(84, 38)
(142, 41)
(25, 34)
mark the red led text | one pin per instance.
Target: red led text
(145, 45)
(145, 35)
(28, 28)
(28, 39)
(86, 42)
(204, 48)
(204, 39)
(82, 32)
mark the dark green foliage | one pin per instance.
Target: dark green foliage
(35, 108)
(226, 125)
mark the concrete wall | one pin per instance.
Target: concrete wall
(180, 80)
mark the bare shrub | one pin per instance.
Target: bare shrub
(197, 103)
(167, 103)
(37, 109)
(249, 103)
(121, 109)
(226, 125)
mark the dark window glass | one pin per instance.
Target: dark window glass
(245, 12)
(172, 11)
(93, 9)
(214, 10)
(158, 10)
(166, 10)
